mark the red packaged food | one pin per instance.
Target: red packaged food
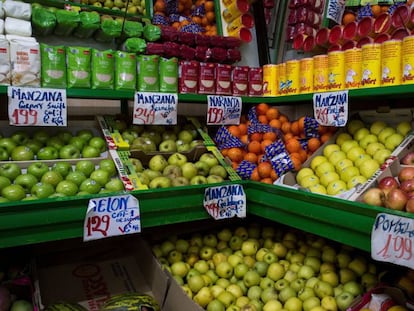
(223, 78)
(207, 81)
(240, 80)
(255, 81)
(302, 28)
(308, 16)
(188, 72)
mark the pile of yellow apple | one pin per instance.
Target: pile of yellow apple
(260, 267)
(354, 157)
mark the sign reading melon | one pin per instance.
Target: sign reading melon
(225, 201)
(223, 110)
(155, 108)
(392, 240)
(331, 108)
(37, 106)
(111, 216)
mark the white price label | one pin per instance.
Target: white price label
(392, 240)
(37, 106)
(223, 110)
(111, 216)
(225, 201)
(155, 108)
(331, 108)
(335, 10)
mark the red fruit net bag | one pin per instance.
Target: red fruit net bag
(186, 38)
(202, 53)
(171, 49)
(201, 40)
(154, 48)
(233, 56)
(186, 52)
(218, 55)
(169, 33)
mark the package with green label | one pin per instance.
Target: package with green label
(43, 21)
(110, 29)
(88, 24)
(125, 70)
(53, 66)
(103, 67)
(168, 75)
(135, 45)
(148, 74)
(132, 29)
(66, 22)
(78, 61)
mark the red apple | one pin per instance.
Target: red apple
(407, 185)
(396, 199)
(387, 183)
(406, 173)
(374, 196)
(409, 206)
(408, 159)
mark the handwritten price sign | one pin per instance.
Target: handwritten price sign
(331, 108)
(392, 240)
(223, 110)
(111, 216)
(155, 108)
(37, 106)
(225, 201)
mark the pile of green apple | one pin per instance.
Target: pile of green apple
(355, 156)
(152, 138)
(62, 179)
(176, 169)
(131, 7)
(254, 267)
(41, 145)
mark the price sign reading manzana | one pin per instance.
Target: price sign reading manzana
(111, 216)
(331, 108)
(225, 201)
(155, 108)
(37, 106)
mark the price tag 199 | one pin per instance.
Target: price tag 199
(111, 216)
(392, 240)
(37, 106)
(223, 110)
(331, 108)
(225, 201)
(155, 108)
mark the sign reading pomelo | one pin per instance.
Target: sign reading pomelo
(111, 216)
(391, 240)
(37, 106)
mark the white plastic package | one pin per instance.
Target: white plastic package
(17, 9)
(14, 26)
(1, 26)
(16, 37)
(1, 10)
(4, 61)
(25, 63)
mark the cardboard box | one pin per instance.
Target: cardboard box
(89, 273)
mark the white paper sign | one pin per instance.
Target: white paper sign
(37, 106)
(155, 108)
(111, 216)
(225, 201)
(335, 10)
(223, 110)
(331, 108)
(392, 240)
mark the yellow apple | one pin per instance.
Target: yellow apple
(348, 144)
(354, 125)
(382, 136)
(342, 137)
(329, 149)
(324, 168)
(304, 171)
(361, 133)
(377, 127)
(318, 188)
(317, 160)
(336, 156)
(336, 187)
(328, 177)
(404, 127)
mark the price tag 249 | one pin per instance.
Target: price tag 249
(223, 110)
(155, 108)
(331, 108)
(225, 201)
(392, 240)
(111, 216)
(37, 106)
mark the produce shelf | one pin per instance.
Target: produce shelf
(347, 222)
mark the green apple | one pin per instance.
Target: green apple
(177, 158)
(286, 293)
(330, 277)
(22, 153)
(354, 153)
(293, 304)
(67, 188)
(310, 303)
(354, 181)
(377, 126)
(273, 305)
(404, 127)
(195, 283)
(13, 192)
(189, 170)
(337, 156)
(368, 168)
(329, 149)
(85, 166)
(76, 177)
(8, 144)
(63, 168)
(47, 153)
(381, 155)
(305, 272)
(20, 137)
(224, 270)
(51, 177)
(385, 133)
(27, 181)
(114, 184)
(344, 300)
(249, 247)
(37, 169)
(42, 190)
(373, 148)
(368, 139)
(346, 275)
(328, 177)
(358, 265)
(391, 142)
(108, 165)
(354, 125)
(348, 173)
(348, 144)
(226, 298)
(268, 293)
(317, 160)
(329, 303)
(323, 168)
(342, 137)
(215, 305)
(312, 261)
(323, 289)
(69, 152)
(90, 186)
(275, 271)
(251, 278)
(361, 133)
(336, 187)
(235, 289)
(309, 181)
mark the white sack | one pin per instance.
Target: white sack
(14, 26)
(25, 63)
(17, 9)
